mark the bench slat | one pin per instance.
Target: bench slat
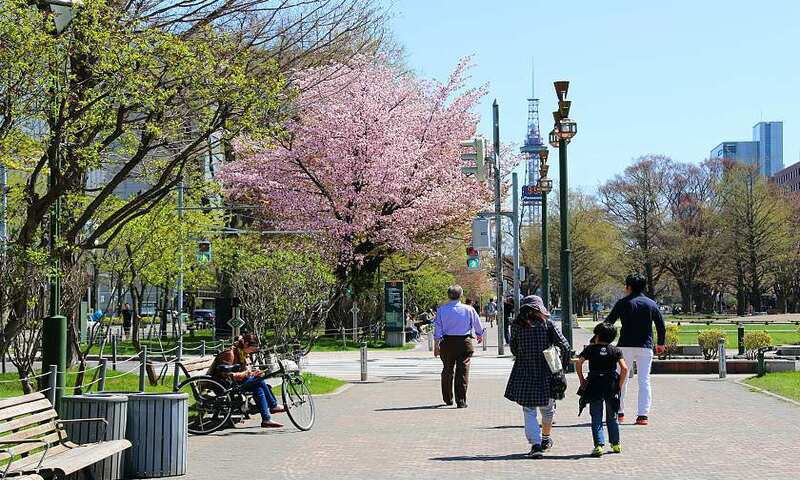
(22, 409)
(50, 439)
(71, 460)
(26, 421)
(29, 463)
(39, 430)
(10, 402)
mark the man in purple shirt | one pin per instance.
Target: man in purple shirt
(455, 325)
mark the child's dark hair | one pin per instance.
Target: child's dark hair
(605, 332)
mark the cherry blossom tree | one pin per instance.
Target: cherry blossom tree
(371, 164)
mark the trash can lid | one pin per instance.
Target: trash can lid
(97, 397)
(159, 396)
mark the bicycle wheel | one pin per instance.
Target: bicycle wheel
(209, 404)
(298, 401)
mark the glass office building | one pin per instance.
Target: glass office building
(769, 136)
(744, 152)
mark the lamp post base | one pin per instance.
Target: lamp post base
(54, 350)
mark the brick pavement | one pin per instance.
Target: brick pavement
(701, 428)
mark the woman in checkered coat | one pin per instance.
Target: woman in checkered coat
(530, 382)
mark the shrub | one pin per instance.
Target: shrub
(755, 340)
(709, 342)
(671, 341)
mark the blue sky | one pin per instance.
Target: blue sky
(669, 77)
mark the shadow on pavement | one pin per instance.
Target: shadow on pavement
(510, 456)
(576, 425)
(500, 427)
(483, 458)
(418, 407)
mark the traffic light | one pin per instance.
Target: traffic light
(203, 251)
(473, 259)
(479, 145)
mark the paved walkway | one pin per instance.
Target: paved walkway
(701, 428)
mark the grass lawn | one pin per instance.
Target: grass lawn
(781, 334)
(130, 383)
(125, 383)
(786, 384)
(191, 344)
(317, 384)
(332, 344)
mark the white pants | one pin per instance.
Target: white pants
(644, 360)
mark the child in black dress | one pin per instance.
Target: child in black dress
(603, 385)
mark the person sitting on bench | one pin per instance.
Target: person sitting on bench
(232, 364)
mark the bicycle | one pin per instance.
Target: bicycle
(215, 404)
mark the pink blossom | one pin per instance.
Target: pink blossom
(373, 160)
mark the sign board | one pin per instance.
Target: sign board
(531, 193)
(480, 234)
(236, 323)
(394, 306)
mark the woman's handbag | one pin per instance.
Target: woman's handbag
(552, 355)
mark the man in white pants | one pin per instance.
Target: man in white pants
(637, 313)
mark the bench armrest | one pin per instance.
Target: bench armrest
(11, 454)
(80, 420)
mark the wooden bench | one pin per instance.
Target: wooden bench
(195, 366)
(33, 441)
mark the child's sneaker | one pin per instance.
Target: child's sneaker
(536, 451)
(616, 448)
(620, 417)
(598, 451)
(641, 420)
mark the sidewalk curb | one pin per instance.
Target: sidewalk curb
(767, 392)
(336, 392)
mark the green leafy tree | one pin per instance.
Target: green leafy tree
(151, 87)
(755, 223)
(285, 295)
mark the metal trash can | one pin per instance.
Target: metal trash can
(114, 409)
(158, 429)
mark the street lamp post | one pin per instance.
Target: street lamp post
(54, 327)
(545, 186)
(563, 131)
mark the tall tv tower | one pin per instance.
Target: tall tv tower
(530, 149)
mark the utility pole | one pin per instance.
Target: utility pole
(180, 255)
(498, 233)
(515, 223)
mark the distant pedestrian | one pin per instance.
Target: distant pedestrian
(127, 319)
(638, 314)
(455, 325)
(491, 312)
(508, 311)
(531, 381)
(601, 390)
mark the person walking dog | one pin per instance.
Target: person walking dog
(531, 383)
(455, 325)
(638, 313)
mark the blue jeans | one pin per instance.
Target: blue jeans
(262, 393)
(596, 411)
(532, 430)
